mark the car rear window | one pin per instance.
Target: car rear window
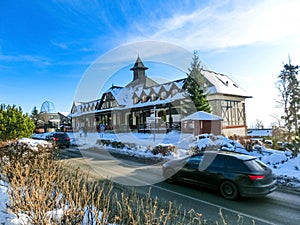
(256, 165)
(61, 135)
(236, 164)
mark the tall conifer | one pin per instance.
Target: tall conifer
(196, 86)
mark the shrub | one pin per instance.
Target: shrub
(163, 149)
(49, 191)
(14, 124)
(40, 185)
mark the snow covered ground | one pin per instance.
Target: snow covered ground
(281, 162)
(285, 167)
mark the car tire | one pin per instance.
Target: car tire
(229, 190)
(170, 176)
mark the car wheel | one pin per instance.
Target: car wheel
(170, 176)
(229, 190)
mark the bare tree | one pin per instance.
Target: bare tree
(278, 119)
(259, 124)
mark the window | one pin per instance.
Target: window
(235, 164)
(256, 165)
(217, 164)
(144, 98)
(153, 97)
(194, 161)
(174, 91)
(135, 100)
(163, 95)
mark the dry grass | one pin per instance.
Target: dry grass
(48, 191)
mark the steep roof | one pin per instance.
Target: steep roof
(139, 64)
(143, 81)
(222, 84)
(217, 83)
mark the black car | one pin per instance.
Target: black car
(232, 174)
(59, 139)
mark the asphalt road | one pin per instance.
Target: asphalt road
(277, 208)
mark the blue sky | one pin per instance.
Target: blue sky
(46, 46)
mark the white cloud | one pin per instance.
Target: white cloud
(60, 45)
(27, 58)
(230, 24)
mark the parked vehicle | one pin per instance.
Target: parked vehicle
(269, 143)
(60, 139)
(232, 174)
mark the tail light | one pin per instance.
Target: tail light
(68, 139)
(55, 139)
(256, 177)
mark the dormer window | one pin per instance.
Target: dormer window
(144, 99)
(135, 100)
(153, 97)
(163, 95)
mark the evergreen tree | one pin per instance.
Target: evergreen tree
(34, 112)
(288, 86)
(195, 85)
(13, 123)
(34, 115)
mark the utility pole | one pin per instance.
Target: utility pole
(154, 134)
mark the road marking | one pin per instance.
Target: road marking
(214, 205)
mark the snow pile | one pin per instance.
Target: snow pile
(34, 144)
(285, 167)
(281, 162)
(4, 215)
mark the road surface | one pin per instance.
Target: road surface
(277, 208)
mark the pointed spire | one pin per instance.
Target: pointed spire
(138, 69)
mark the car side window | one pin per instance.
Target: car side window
(194, 161)
(236, 164)
(217, 164)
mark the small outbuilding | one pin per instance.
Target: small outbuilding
(201, 123)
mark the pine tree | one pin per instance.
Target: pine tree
(288, 86)
(195, 85)
(13, 123)
(34, 115)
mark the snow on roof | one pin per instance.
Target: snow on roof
(115, 90)
(180, 83)
(138, 91)
(156, 89)
(259, 132)
(167, 86)
(223, 84)
(200, 115)
(64, 113)
(158, 101)
(147, 91)
(124, 97)
(220, 84)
